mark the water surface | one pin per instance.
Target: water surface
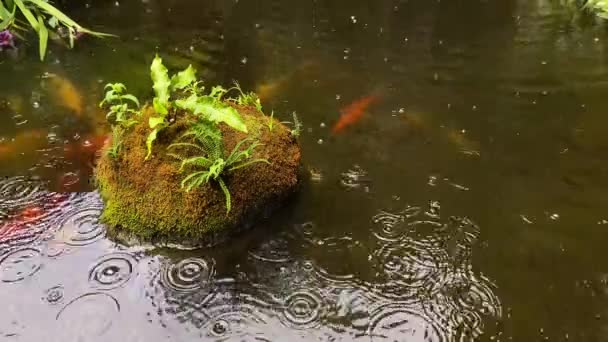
(468, 204)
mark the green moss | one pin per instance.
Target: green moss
(144, 199)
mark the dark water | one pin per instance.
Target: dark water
(468, 204)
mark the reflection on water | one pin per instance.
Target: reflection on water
(467, 204)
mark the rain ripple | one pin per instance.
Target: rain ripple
(80, 226)
(188, 275)
(112, 271)
(20, 264)
(397, 322)
(303, 310)
(88, 317)
(355, 178)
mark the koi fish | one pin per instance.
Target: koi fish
(22, 142)
(353, 113)
(86, 149)
(65, 94)
(269, 90)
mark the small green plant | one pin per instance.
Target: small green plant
(599, 7)
(297, 125)
(45, 19)
(183, 92)
(120, 102)
(247, 99)
(117, 136)
(210, 162)
(271, 121)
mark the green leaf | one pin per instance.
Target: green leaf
(71, 34)
(150, 140)
(53, 22)
(160, 78)
(50, 9)
(4, 13)
(131, 98)
(226, 194)
(27, 14)
(213, 111)
(183, 78)
(43, 35)
(6, 22)
(154, 122)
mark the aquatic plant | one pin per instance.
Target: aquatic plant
(183, 92)
(45, 19)
(211, 163)
(120, 105)
(271, 121)
(297, 125)
(247, 99)
(116, 142)
(599, 7)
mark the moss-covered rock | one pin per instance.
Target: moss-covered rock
(144, 200)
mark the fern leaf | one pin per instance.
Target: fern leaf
(226, 194)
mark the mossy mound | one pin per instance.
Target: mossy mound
(144, 200)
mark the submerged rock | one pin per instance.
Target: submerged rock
(144, 201)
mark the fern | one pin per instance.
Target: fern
(211, 164)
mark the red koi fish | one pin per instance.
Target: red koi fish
(353, 113)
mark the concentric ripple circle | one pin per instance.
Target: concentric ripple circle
(19, 265)
(396, 323)
(188, 275)
(112, 271)
(234, 325)
(82, 227)
(88, 317)
(303, 310)
(54, 295)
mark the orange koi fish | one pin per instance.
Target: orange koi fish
(26, 141)
(65, 93)
(353, 113)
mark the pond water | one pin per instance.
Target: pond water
(467, 204)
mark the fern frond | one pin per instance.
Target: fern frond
(226, 194)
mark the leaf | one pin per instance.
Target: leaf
(27, 14)
(183, 78)
(43, 35)
(150, 140)
(6, 23)
(53, 22)
(50, 9)
(156, 121)
(160, 78)
(131, 98)
(217, 92)
(213, 111)
(71, 34)
(198, 161)
(226, 193)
